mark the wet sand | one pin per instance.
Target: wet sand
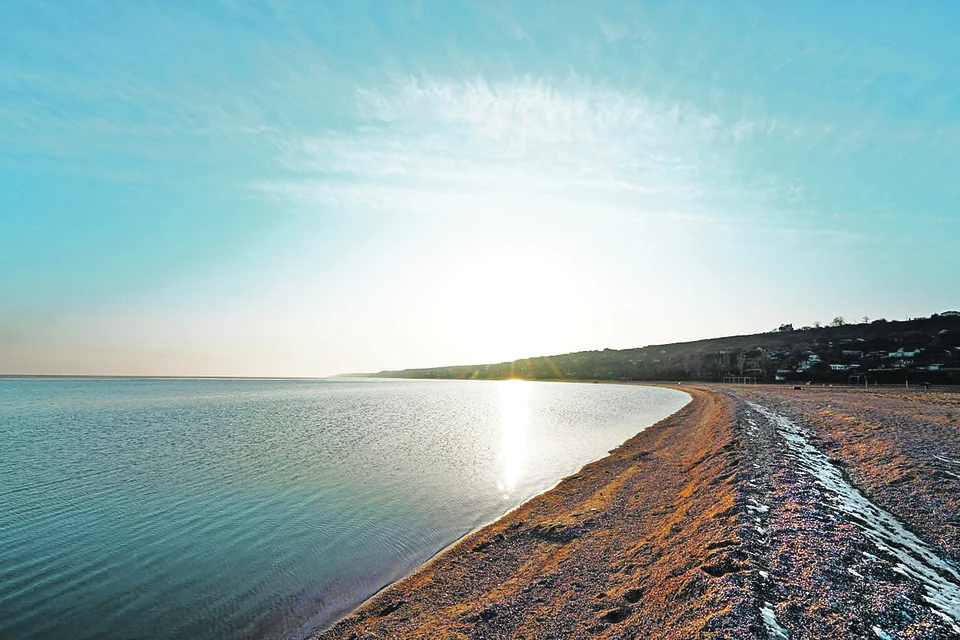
(751, 512)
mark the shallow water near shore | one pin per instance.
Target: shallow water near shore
(244, 508)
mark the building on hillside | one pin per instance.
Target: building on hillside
(904, 353)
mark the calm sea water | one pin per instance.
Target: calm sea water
(242, 508)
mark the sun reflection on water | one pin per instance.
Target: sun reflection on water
(514, 422)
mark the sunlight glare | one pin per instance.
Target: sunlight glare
(514, 422)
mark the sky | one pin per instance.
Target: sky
(293, 188)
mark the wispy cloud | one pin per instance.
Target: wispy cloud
(423, 142)
(419, 140)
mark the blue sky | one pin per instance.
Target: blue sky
(300, 188)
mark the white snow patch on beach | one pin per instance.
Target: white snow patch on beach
(913, 557)
(770, 619)
(883, 635)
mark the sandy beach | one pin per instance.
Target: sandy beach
(752, 512)
(614, 547)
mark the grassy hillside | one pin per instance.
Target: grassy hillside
(924, 349)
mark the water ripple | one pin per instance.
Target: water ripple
(236, 509)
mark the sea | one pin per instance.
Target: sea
(222, 509)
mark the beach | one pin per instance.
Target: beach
(754, 511)
(610, 548)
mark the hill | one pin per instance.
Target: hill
(886, 352)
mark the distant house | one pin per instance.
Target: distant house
(904, 353)
(853, 353)
(838, 367)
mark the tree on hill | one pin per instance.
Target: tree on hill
(838, 322)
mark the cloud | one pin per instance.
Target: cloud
(429, 144)
(543, 148)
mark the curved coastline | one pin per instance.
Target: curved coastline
(572, 529)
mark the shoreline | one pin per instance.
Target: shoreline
(439, 597)
(750, 512)
(443, 550)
